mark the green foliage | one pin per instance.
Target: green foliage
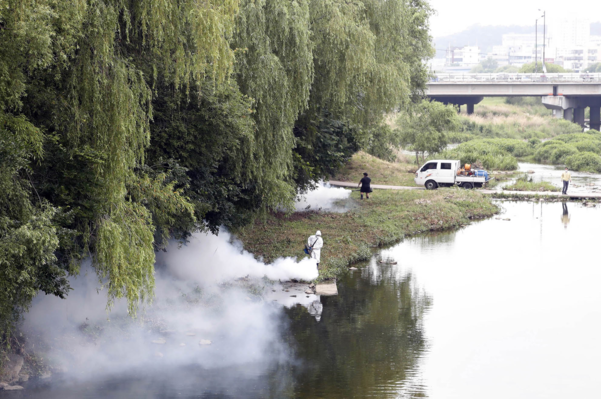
(276, 71)
(488, 65)
(595, 68)
(526, 184)
(423, 129)
(492, 154)
(382, 142)
(524, 101)
(551, 68)
(517, 127)
(322, 148)
(584, 161)
(75, 69)
(507, 69)
(572, 149)
(127, 123)
(29, 235)
(368, 61)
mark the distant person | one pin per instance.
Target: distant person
(566, 178)
(315, 243)
(565, 217)
(365, 185)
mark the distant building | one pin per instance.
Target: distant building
(518, 40)
(467, 56)
(570, 32)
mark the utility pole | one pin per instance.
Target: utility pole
(544, 37)
(536, 45)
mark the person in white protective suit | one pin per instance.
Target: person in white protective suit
(316, 242)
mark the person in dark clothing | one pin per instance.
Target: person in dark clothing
(365, 186)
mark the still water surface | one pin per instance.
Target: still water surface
(499, 309)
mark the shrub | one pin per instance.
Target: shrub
(491, 153)
(561, 153)
(544, 152)
(589, 146)
(584, 161)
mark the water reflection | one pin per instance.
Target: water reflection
(516, 305)
(565, 217)
(370, 339)
(507, 305)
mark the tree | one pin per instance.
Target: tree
(74, 72)
(594, 68)
(551, 68)
(488, 65)
(368, 61)
(144, 121)
(423, 129)
(507, 69)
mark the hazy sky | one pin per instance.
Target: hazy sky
(456, 15)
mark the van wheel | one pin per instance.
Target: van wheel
(467, 186)
(431, 185)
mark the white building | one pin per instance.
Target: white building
(570, 32)
(467, 56)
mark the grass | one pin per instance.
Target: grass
(384, 219)
(501, 177)
(380, 172)
(526, 184)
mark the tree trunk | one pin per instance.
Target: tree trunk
(417, 158)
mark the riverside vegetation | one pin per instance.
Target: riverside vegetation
(124, 124)
(387, 217)
(503, 131)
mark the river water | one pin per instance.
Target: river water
(582, 182)
(499, 309)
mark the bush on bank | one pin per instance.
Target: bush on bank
(584, 161)
(494, 154)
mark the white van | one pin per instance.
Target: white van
(444, 173)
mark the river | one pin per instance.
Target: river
(499, 309)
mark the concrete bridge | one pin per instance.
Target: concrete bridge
(567, 94)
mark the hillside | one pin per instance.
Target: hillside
(487, 36)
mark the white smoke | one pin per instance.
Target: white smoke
(324, 197)
(213, 259)
(203, 314)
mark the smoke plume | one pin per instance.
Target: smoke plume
(324, 197)
(211, 309)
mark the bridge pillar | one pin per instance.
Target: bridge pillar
(568, 114)
(579, 116)
(470, 109)
(595, 117)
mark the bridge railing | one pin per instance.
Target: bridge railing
(516, 77)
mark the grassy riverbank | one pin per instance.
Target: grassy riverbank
(349, 237)
(380, 172)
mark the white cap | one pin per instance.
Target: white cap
(318, 233)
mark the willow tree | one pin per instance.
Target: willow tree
(369, 60)
(74, 70)
(275, 69)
